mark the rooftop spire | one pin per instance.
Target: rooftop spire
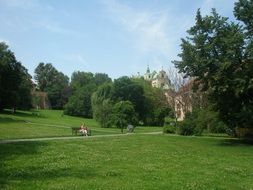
(148, 70)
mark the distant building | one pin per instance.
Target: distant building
(158, 80)
(180, 101)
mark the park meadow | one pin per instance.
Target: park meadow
(126, 95)
(145, 159)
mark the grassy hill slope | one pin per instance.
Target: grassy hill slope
(50, 123)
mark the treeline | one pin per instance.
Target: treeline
(112, 103)
(131, 101)
(120, 102)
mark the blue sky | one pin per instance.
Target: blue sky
(116, 37)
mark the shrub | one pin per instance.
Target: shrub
(218, 127)
(199, 120)
(185, 128)
(169, 129)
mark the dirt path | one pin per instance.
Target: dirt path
(72, 137)
(61, 126)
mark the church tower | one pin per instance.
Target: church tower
(147, 75)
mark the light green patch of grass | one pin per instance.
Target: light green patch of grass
(128, 162)
(147, 129)
(51, 123)
(44, 123)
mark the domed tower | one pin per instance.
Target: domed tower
(163, 80)
(147, 75)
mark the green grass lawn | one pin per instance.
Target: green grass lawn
(137, 161)
(50, 123)
(128, 162)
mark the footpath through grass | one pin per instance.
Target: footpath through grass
(50, 123)
(128, 162)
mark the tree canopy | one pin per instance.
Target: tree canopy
(55, 83)
(126, 89)
(150, 104)
(84, 84)
(102, 105)
(218, 54)
(15, 82)
(124, 114)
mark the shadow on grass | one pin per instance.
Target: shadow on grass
(32, 113)
(7, 116)
(236, 142)
(15, 166)
(7, 120)
(12, 151)
(215, 135)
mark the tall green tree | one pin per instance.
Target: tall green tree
(44, 75)
(24, 91)
(156, 106)
(124, 114)
(214, 53)
(79, 104)
(243, 12)
(50, 80)
(80, 79)
(102, 104)
(15, 82)
(86, 83)
(126, 89)
(101, 78)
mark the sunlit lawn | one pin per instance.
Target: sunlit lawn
(128, 162)
(50, 123)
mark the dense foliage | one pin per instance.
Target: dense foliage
(79, 104)
(200, 120)
(126, 89)
(15, 82)
(95, 95)
(124, 114)
(218, 54)
(53, 82)
(84, 84)
(150, 104)
(102, 105)
(156, 105)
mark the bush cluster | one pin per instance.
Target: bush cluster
(171, 129)
(196, 122)
(201, 120)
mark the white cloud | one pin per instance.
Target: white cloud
(207, 6)
(149, 29)
(33, 14)
(24, 4)
(54, 27)
(155, 34)
(224, 5)
(76, 58)
(158, 33)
